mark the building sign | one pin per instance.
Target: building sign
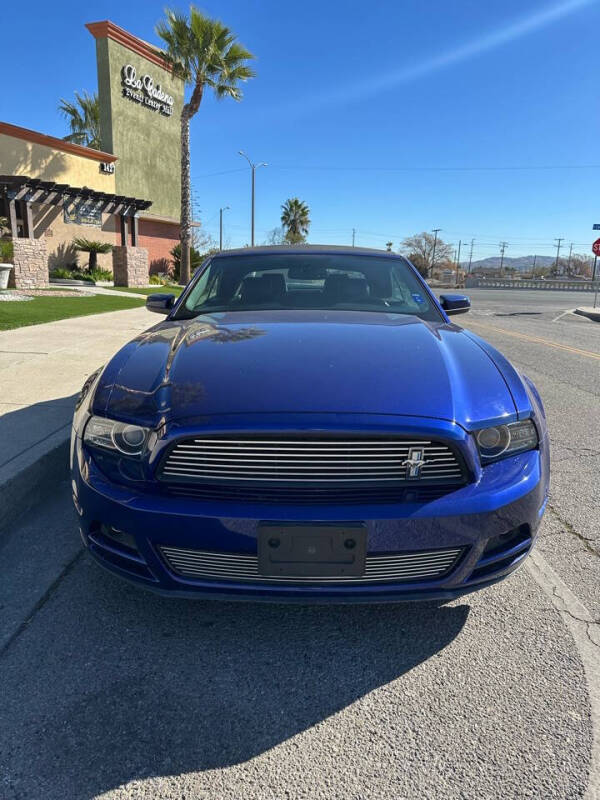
(107, 167)
(143, 90)
(82, 213)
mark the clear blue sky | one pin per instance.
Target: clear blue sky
(355, 103)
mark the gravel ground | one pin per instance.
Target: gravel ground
(17, 295)
(14, 297)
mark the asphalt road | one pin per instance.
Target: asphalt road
(109, 692)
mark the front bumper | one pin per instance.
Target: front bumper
(507, 501)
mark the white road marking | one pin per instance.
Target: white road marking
(586, 633)
(564, 313)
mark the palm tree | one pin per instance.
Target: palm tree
(84, 119)
(203, 53)
(93, 248)
(295, 220)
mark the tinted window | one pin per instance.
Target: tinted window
(309, 281)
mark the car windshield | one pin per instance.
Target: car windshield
(332, 281)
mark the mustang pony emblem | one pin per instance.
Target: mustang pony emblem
(414, 462)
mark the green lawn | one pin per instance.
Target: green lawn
(176, 290)
(49, 309)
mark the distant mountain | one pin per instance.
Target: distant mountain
(522, 264)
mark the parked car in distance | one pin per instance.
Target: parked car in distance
(308, 424)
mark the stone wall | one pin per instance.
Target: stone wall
(30, 262)
(130, 266)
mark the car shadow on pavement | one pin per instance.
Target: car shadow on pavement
(26, 428)
(128, 685)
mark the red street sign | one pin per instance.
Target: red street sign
(596, 247)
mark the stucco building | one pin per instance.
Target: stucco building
(127, 193)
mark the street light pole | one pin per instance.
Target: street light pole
(221, 210)
(253, 167)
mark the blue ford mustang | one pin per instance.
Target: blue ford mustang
(307, 424)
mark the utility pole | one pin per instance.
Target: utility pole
(253, 167)
(458, 262)
(533, 268)
(557, 245)
(569, 261)
(503, 246)
(471, 255)
(353, 236)
(435, 232)
(221, 210)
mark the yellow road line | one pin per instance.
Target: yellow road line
(537, 340)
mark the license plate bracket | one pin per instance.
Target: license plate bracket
(312, 551)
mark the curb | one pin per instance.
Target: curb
(32, 477)
(590, 313)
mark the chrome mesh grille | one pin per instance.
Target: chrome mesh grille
(314, 461)
(388, 568)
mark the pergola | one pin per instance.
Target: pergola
(19, 189)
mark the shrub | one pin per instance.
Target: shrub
(161, 266)
(100, 274)
(67, 273)
(195, 260)
(6, 251)
(93, 248)
(62, 273)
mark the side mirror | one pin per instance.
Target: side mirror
(160, 303)
(455, 303)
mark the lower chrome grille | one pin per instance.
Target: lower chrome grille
(240, 567)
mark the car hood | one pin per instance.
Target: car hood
(303, 362)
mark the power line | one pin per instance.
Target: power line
(426, 168)
(422, 168)
(223, 172)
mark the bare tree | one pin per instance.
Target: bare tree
(578, 264)
(276, 236)
(419, 249)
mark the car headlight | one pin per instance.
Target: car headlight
(504, 440)
(109, 434)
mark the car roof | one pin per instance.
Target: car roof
(303, 249)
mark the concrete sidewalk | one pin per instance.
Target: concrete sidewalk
(42, 369)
